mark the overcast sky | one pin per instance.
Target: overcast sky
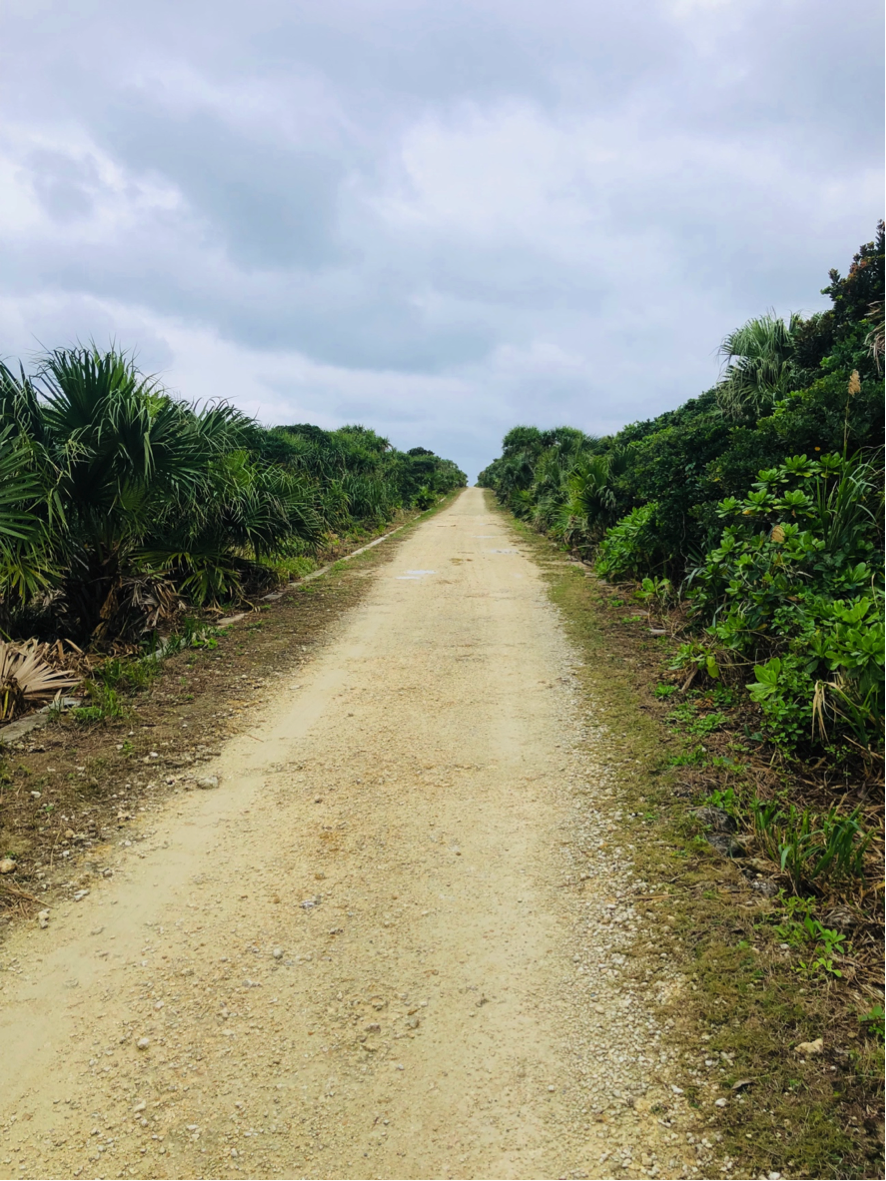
(435, 217)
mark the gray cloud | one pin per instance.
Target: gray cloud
(64, 185)
(269, 206)
(439, 218)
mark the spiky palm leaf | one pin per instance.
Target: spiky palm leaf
(26, 561)
(757, 370)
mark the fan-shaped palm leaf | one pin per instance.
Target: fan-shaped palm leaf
(757, 368)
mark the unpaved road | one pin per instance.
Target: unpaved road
(389, 944)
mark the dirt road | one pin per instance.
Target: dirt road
(388, 945)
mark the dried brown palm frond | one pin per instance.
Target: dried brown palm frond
(135, 606)
(819, 706)
(27, 676)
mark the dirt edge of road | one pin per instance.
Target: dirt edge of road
(784, 1115)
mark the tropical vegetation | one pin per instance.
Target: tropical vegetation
(758, 505)
(121, 504)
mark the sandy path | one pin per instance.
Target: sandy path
(368, 953)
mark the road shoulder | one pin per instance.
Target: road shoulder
(743, 1013)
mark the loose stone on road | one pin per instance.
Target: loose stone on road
(388, 944)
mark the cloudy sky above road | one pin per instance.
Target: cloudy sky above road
(435, 217)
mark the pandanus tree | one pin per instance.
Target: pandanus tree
(758, 366)
(243, 512)
(122, 452)
(25, 558)
(111, 479)
(591, 502)
(116, 497)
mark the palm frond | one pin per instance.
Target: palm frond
(757, 369)
(26, 677)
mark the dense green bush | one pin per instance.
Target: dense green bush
(786, 451)
(631, 548)
(795, 589)
(116, 497)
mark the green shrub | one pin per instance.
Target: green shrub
(799, 928)
(105, 703)
(789, 597)
(630, 547)
(795, 588)
(424, 499)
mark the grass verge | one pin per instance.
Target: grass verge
(755, 1001)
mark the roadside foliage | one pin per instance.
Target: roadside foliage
(123, 507)
(759, 507)
(744, 533)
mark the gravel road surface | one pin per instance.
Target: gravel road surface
(389, 944)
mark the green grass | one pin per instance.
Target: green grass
(106, 704)
(293, 568)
